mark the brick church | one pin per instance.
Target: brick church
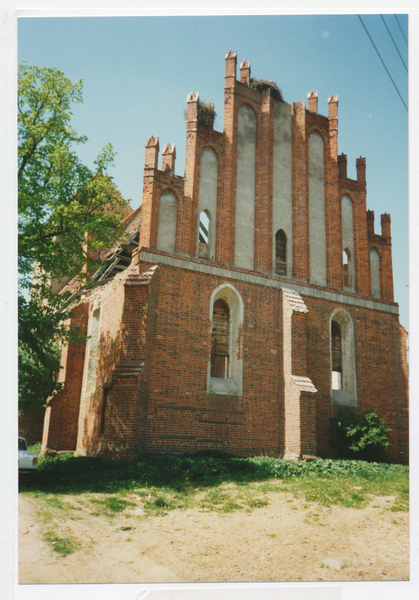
(251, 300)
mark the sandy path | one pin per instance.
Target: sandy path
(281, 542)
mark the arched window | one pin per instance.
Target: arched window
(204, 233)
(342, 351)
(225, 367)
(336, 356)
(220, 340)
(280, 253)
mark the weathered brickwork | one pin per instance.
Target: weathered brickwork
(153, 389)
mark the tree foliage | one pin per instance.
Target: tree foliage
(359, 436)
(67, 212)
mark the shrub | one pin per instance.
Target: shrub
(363, 437)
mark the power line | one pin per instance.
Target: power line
(383, 63)
(394, 43)
(395, 16)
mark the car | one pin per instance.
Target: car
(28, 462)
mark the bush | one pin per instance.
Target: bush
(363, 437)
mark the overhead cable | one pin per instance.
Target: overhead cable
(379, 55)
(394, 43)
(400, 27)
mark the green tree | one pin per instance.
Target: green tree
(363, 436)
(67, 212)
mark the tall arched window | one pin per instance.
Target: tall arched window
(336, 356)
(225, 365)
(280, 253)
(220, 340)
(342, 350)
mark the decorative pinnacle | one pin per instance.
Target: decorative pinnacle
(170, 149)
(152, 141)
(231, 54)
(192, 97)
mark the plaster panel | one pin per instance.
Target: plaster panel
(208, 195)
(166, 236)
(317, 215)
(375, 273)
(348, 239)
(282, 178)
(245, 189)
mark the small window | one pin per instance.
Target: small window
(346, 257)
(203, 227)
(204, 233)
(220, 340)
(280, 253)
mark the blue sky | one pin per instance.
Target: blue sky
(137, 72)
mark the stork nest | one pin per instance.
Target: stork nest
(263, 84)
(206, 114)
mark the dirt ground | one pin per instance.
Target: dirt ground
(284, 541)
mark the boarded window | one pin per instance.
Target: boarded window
(280, 253)
(336, 356)
(220, 340)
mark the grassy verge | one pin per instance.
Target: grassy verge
(222, 483)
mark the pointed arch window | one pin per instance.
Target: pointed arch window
(220, 340)
(342, 350)
(336, 356)
(225, 363)
(280, 252)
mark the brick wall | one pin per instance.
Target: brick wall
(155, 342)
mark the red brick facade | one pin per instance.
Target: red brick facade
(144, 384)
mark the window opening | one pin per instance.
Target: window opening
(204, 235)
(203, 228)
(220, 338)
(336, 356)
(280, 253)
(346, 256)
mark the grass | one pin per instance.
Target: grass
(63, 546)
(210, 482)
